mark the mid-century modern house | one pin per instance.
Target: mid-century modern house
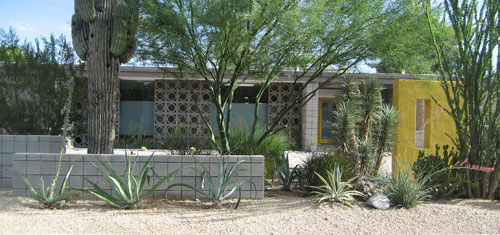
(159, 104)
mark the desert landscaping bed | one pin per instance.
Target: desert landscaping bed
(278, 213)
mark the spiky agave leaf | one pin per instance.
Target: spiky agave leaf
(218, 193)
(334, 189)
(128, 191)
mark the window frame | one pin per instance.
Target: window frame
(320, 114)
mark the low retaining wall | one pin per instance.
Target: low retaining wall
(34, 165)
(10, 144)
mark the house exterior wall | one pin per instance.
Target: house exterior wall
(438, 124)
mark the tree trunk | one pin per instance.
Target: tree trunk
(103, 84)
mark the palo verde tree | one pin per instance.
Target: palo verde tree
(227, 42)
(402, 43)
(471, 82)
(103, 34)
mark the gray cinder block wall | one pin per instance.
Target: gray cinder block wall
(10, 144)
(34, 165)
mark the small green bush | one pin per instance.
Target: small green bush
(321, 164)
(405, 189)
(272, 147)
(445, 181)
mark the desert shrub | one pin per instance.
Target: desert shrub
(272, 147)
(321, 164)
(405, 189)
(221, 186)
(445, 180)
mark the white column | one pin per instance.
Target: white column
(310, 119)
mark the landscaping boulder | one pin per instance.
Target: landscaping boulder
(379, 201)
(367, 186)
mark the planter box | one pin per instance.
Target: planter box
(34, 165)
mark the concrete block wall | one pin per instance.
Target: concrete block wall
(310, 118)
(10, 144)
(34, 165)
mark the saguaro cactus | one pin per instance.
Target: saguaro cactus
(103, 33)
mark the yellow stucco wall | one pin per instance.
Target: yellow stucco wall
(405, 96)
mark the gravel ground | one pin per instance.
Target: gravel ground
(278, 213)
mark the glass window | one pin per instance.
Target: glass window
(326, 108)
(136, 107)
(422, 127)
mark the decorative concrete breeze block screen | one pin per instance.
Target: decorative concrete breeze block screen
(279, 93)
(175, 108)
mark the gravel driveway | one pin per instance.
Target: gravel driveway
(278, 213)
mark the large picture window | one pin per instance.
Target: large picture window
(326, 108)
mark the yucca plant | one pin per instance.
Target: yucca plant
(223, 187)
(50, 197)
(129, 190)
(283, 172)
(334, 189)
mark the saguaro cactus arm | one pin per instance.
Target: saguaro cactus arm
(79, 34)
(86, 9)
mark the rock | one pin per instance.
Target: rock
(379, 201)
(367, 186)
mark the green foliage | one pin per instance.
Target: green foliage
(272, 147)
(344, 126)
(405, 189)
(224, 41)
(223, 186)
(321, 164)
(402, 43)
(363, 128)
(127, 192)
(471, 83)
(445, 181)
(284, 174)
(34, 84)
(49, 197)
(334, 189)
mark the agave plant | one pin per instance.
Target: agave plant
(49, 197)
(284, 173)
(223, 187)
(334, 189)
(128, 191)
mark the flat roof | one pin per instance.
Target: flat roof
(139, 73)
